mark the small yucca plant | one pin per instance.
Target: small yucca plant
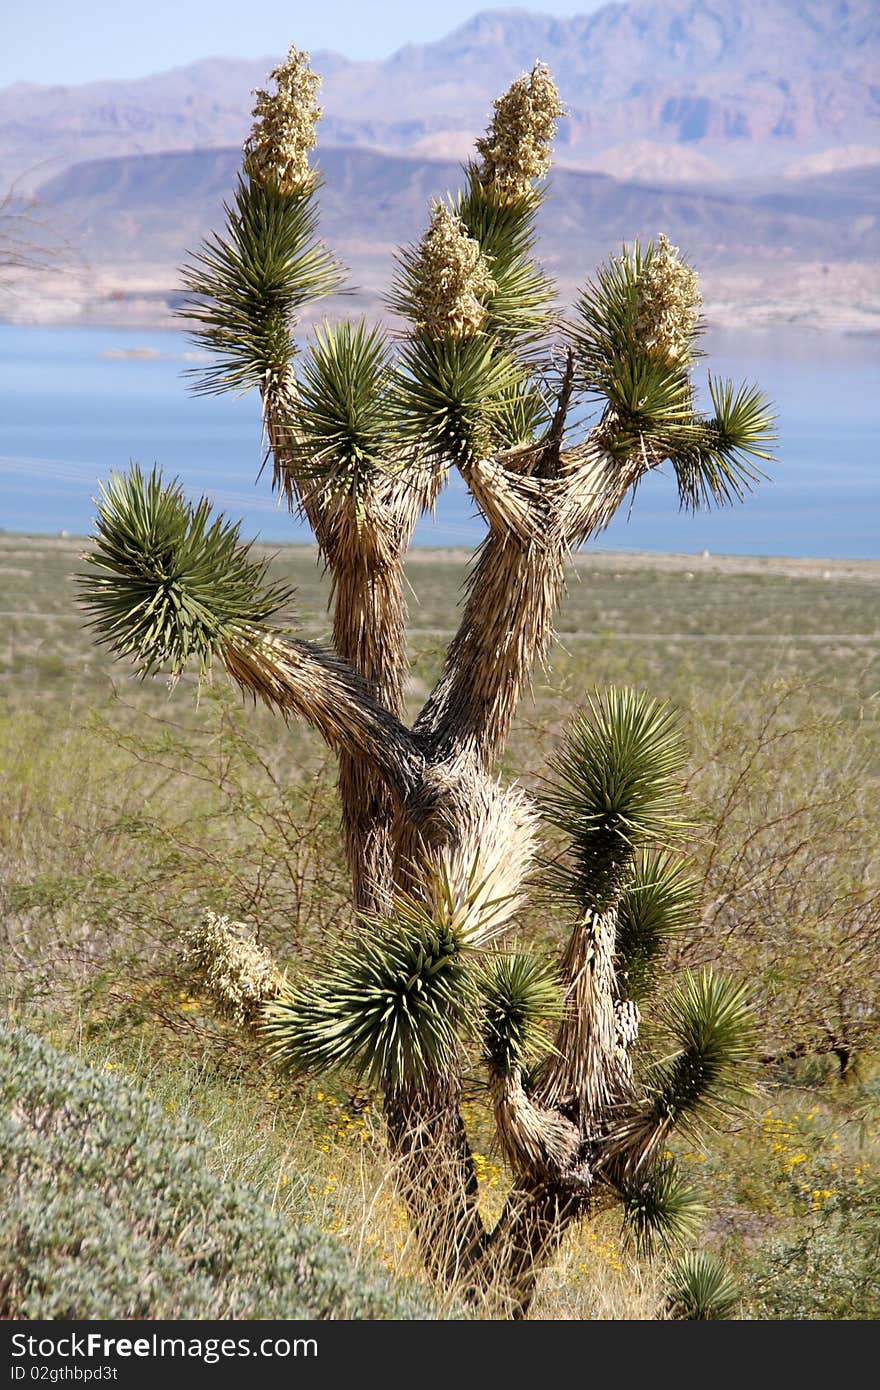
(700, 1288)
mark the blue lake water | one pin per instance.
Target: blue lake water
(76, 403)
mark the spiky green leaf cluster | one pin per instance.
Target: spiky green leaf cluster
(658, 902)
(661, 1208)
(700, 1288)
(608, 334)
(518, 296)
(650, 396)
(649, 393)
(519, 415)
(167, 582)
(247, 287)
(521, 305)
(462, 394)
(717, 468)
(711, 1031)
(615, 780)
(455, 394)
(343, 410)
(387, 1009)
(652, 409)
(518, 995)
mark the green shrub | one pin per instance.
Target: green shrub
(108, 1210)
(824, 1277)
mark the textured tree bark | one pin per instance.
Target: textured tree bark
(369, 628)
(515, 589)
(436, 1178)
(589, 1071)
(524, 1240)
(364, 553)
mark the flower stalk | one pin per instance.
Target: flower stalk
(283, 133)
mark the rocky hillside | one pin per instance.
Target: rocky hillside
(121, 228)
(745, 129)
(693, 88)
(153, 208)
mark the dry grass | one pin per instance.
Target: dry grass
(125, 813)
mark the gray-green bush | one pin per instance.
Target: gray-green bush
(108, 1210)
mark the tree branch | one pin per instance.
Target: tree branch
(514, 589)
(297, 677)
(588, 1070)
(551, 453)
(364, 552)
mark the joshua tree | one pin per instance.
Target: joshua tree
(551, 424)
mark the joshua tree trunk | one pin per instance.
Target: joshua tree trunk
(362, 438)
(442, 806)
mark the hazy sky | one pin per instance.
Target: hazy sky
(71, 41)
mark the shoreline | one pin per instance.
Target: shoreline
(23, 544)
(763, 294)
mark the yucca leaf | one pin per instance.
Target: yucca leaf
(711, 1030)
(167, 581)
(640, 370)
(717, 468)
(607, 326)
(661, 1208)
(247, 286)
(453, 394)
(700, 1288)
(343, 411)
(652, 407)
(387, 1009)
(743, 420)
(521, 306)
(518, 415)
(658, 902)
(650, 399)
(605, 312)
(519, 995)
(614, 787)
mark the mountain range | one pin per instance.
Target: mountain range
(717, 84)
(747, 129)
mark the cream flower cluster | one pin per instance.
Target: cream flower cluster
(669, 302)
(516, 148)
(238, 973)
(283, 133)
(451, 278)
